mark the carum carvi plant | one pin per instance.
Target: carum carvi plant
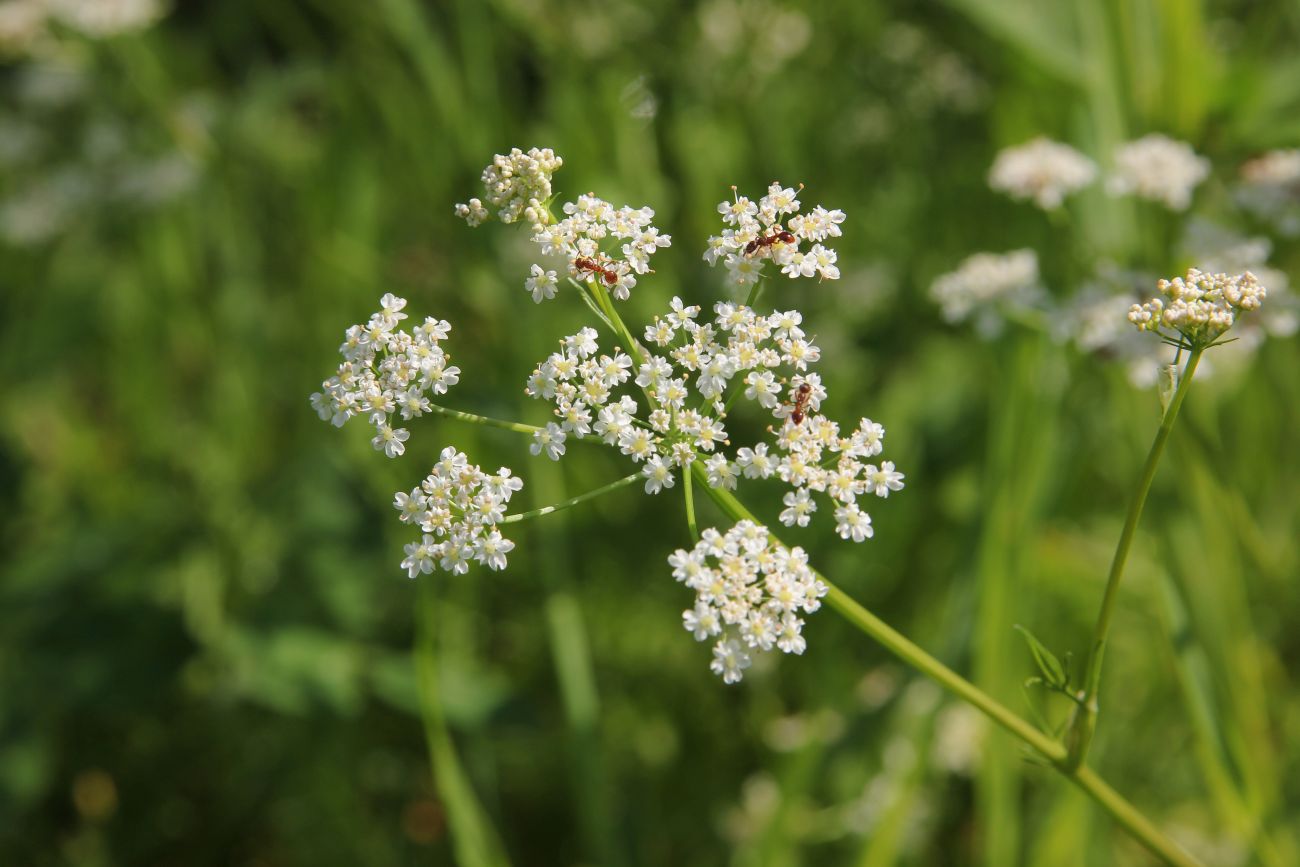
(664, 395)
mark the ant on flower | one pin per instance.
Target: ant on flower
(780, 236)
(586, 263)
(800, 405)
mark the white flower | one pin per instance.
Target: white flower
(853, 523)
(386, 370)
(457, 507)
(391, 442)
(722, 473)
(542, 284)
(749, 597)
(729, 660)
(549, 440)
(658, 475)
(1042, 170)
(882, 481)
(491, 550)
(420, 556)
(1158, 168)
(799, 508)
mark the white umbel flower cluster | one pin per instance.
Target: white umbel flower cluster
(608, 245)
(385, 371)
(1042, 170)
(1200, 306)
(985, 282)
(517, 185)
(772, 228)
(698, 372)
(1160, 169)
(749, 594)
(457, 508)
(1280, 168)
(1270, 189)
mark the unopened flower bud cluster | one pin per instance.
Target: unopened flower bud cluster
(1200, 306)
(773, 229)
(749, 594)
(457, 508)
(687, 379)
(387, 371)
(517, 185)
(1042, 170)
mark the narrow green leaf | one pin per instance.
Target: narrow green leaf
(1053, 672)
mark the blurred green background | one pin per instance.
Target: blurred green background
(206, 646)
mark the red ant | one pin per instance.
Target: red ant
(759, 243)
(802, 395)
(584, 263)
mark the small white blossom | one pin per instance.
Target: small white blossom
(885, 479)
(853, 523)
(542, 284)
(658, 475)
(549, 440)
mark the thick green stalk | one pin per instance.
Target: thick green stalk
(898, 644)
(894, 641)
(1083, 723)
(690, 505)
(572, 501)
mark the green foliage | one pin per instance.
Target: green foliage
(206, 643)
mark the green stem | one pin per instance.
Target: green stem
(1083, 723)
(470, 417)
(1056, 754)
(898, 644)
(474, 839)
(1127, 815)
(754, 293)
(690, 504)
(516, 426)
(572, 501)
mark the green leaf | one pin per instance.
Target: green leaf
(1054, 674)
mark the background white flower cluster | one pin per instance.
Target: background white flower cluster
(1154, 167)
